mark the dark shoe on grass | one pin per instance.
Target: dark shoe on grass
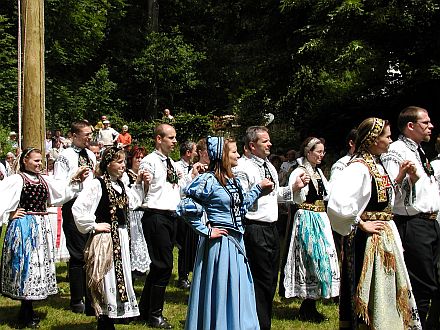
(159, 322)
(77, 307)
(183, 284)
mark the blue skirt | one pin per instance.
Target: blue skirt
(222, 292)
(27, 270)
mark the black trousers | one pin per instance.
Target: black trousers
(421, 243)
(159, 231)
(187, 241)
(75, 243)
(263, 252)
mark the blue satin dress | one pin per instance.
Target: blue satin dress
(222, 291)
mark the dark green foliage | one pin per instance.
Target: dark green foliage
(188, 126)
(5, 146)
(320, 66)
(166, 68)
(8, 74)
(358, 58)
(90, 100)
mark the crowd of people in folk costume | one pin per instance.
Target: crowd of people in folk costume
(368, 235)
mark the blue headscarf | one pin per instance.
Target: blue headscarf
(214, 146)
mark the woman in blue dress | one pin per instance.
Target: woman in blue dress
(222, 293)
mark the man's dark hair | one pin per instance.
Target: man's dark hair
(77, 126)
(352, 136)
(408, 115)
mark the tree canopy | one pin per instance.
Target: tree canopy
(320, 66)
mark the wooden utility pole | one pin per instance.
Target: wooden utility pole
(33, 74)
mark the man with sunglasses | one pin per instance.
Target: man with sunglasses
(416, 206)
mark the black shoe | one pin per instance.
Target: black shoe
(309, 313)
(35, 318)
(105, 323)
(159, 322)
(32, 324)
(27, 317)
(312, 316)
(155, 318)
(77, 307)
(183, 284)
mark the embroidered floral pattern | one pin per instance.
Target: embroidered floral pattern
(28, 263)
(117, 201)
(34, 194)
(382, 182)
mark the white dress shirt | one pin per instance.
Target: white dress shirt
(423, 196)
(338, 167)
(251, 172)
(66, 164)
(287, 165)
(186, 169)
(161, 195)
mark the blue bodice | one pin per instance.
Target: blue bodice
(224, 206)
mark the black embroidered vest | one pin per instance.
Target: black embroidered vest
(102, 212)
(34, 195)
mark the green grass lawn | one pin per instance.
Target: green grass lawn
(55, 313)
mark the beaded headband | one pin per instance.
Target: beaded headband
(23, 155)
(313, 142)
(373, 133)
(109, 154)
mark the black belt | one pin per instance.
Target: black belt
(422, 215)
(167, 213)
(260, 223)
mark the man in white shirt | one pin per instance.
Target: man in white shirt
(159, 223)
(56, 149)
(261, 236)
(416, 204)
(66, 165)
(167, 114)
(107, 134)
(290, 162)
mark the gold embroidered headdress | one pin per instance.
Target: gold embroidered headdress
(367, 158)
(373, 134)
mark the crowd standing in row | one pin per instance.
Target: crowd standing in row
(382, 202)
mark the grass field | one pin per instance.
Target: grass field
(55, 313)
